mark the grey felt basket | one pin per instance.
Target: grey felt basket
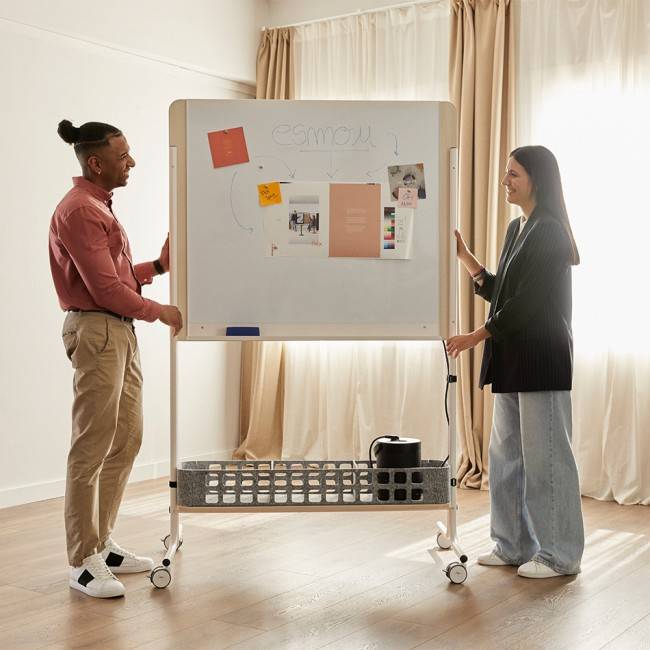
(309, 483)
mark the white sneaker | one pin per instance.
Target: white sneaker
(119, 560)
(95, 579)
(534, 569)
(491, 559)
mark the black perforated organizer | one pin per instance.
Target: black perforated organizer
(309, 483)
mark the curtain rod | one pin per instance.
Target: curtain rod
(358, 12)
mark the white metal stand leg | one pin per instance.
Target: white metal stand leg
(447, 537)
(175, 538)
(161, 576)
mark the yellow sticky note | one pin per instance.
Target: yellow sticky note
(269, 193)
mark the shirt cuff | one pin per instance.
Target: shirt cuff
(152, 310)
(144, 272)
(495, 333)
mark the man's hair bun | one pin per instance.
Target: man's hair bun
(68, 133)
(90, 135)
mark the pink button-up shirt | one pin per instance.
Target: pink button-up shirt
(90, 257)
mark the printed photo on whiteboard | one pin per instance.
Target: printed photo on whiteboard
(397, 233)
(304, 217)
(299, 226)
(408, 176)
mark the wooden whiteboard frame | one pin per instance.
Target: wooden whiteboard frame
(283, 332)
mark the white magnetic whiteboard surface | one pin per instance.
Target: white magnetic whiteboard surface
(224, 274)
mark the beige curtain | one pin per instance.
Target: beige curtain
(275, 79)
(261, 401)
(262, 376)
(481, 78)
(392, 53)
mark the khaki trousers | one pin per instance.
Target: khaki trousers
(106, 426)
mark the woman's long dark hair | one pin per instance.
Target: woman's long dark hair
(541, 165)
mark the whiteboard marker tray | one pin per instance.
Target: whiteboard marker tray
(340, 483)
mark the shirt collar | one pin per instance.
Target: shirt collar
(92, 188)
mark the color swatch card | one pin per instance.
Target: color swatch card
(228, 147)
(389, 228)
(269, 194)
(397, 226)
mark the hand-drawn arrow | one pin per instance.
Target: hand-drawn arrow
(292, 172)
(331, 173)
(232, 208)
(372, 172)
(396, 150)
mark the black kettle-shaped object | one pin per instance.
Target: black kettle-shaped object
(394, 452)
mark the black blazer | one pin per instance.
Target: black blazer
(531, 343)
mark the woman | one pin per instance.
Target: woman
(536, 519)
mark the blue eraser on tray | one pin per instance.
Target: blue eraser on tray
(242, 331)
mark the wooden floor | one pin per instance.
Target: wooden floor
(335, 580)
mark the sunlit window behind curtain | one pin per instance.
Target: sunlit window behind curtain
(601, 138)
(398, 53)
(584, 92)
(343, 394)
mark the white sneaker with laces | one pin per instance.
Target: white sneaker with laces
(491, 559)
(95, 579)
(534, 569)
(120, 560)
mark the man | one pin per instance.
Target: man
(100, 288)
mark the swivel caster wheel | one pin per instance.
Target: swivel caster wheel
(443, 542)
(165, 541)
(456, 572)
(160, 577)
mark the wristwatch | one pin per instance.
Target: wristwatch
(158, 266)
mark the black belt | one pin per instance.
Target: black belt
(124, 319)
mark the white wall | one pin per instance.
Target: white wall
(287, 12)
(220, 36)
(121, 63)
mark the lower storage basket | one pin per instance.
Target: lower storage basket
(309, 483)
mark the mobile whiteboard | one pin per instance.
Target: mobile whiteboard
(232, 266)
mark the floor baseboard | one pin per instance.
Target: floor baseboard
(22, 494)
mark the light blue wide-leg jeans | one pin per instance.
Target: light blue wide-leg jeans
(534, 489)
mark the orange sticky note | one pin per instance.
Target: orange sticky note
(269, 193)
(228, 147)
